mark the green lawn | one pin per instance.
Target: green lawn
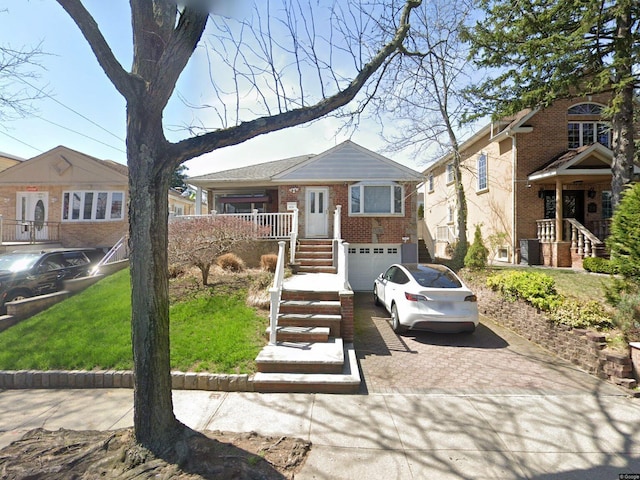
(213, 333)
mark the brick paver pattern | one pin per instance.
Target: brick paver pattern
(493, 360)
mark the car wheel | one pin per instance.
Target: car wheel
(17, 295)
(395, 320)
(376, 300)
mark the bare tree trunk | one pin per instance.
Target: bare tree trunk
(622, 121)
(155, 424)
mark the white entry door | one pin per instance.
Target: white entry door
(32, 212)
(316, 212)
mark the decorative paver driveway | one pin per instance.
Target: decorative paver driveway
(493, 360)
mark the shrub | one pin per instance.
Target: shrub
(627, 316)
(535, 288)
(599, 265)
(581, 315)
(176, 269)
(624, 241)
(476, 257)
(231, 262)
(268, 262)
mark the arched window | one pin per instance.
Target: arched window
(583, 130)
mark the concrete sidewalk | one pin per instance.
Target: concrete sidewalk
(384, 436)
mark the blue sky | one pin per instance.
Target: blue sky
(86, 113)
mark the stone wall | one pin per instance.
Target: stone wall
(584, 348)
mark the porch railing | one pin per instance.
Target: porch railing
(28, 231)
(275, 293)
(117, 253)
(268, 225)
(583, 241)
(445, 233)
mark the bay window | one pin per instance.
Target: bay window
(92, 205)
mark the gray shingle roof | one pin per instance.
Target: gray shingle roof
(262, 171)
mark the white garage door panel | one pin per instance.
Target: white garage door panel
(368, 260)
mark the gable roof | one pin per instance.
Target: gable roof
(65, 166)
(588, 160)
(344, 162)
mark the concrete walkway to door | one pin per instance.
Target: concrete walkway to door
(493, 360)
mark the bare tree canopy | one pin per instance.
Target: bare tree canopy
(165, 36)
(16, 65)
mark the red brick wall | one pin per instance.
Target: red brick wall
(358, 229)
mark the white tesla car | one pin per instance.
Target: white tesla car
(428, 297)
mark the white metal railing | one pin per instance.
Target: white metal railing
(267, 225)
(275, 292)
(337, 230)
(119, 252)
(293, 239)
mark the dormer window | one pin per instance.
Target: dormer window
(585, 126)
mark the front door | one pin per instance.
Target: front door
(32, 210)
(316, 212)
(572, 206)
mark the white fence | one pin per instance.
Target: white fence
(268, 225)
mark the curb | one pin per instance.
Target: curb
(57, 379)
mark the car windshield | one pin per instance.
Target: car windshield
(434, 276)
(18, 262)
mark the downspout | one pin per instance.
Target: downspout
(514, 159)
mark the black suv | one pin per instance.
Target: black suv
(27, 274)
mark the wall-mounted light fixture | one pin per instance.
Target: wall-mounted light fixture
(541, 193)
(591, 193)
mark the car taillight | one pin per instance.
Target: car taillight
(470, 298)
(412, 297)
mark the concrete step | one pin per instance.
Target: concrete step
(331, 307)
(300, 334)
(310, 295)
(317, 269)
(315, 262)
(347, 381)
(312, 320)
(302, 357)
(314, 254)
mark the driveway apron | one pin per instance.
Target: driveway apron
(493, 360)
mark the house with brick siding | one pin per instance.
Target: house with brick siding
(64, 197)
(538, 184)
(347, 192)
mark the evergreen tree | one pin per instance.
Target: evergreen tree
(476, 257)
(624, 241)
(550, 49)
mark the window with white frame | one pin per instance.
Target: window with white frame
(585, 132)
(451, 213)
(450, 176)
(481, 165)
(376, 199)
(90, 206)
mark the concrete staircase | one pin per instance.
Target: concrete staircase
(309, 354)
(315, 255)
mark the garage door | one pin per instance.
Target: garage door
(368, 260)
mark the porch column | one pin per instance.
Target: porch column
(559, 213)
(198, 200)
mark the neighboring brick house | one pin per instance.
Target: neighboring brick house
(377, 198)
(514, 170)
(66, 197)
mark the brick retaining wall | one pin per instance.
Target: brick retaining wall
(584, 348)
